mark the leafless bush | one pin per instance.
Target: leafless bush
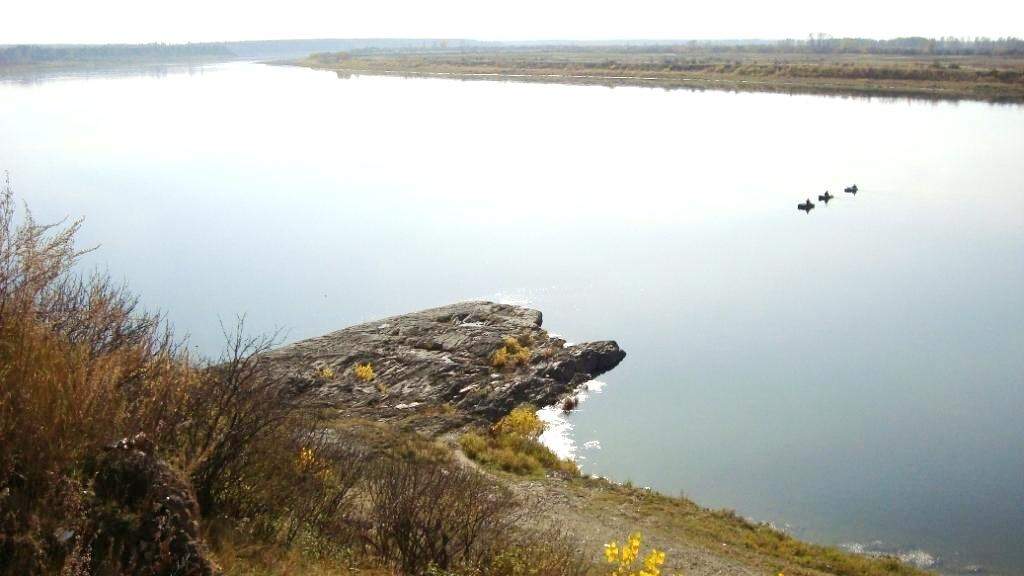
(82, 366)
(525, 552)
(233, 407)
(32, 257)
(429, 515)
(299, 480)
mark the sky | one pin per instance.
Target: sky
(98, 21)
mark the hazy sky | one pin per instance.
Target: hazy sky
(23, 21)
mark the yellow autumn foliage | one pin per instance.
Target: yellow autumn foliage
(624, 558)
(521, 422)
(511, 354)
(512, 446)
(364, 372)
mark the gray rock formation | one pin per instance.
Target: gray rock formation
(436, 369)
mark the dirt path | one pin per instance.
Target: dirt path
(557, 503)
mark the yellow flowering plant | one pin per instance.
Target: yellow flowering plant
(364, 372)
(624, 558)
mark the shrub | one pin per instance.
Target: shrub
(298, 482)
(521, 422)
(235, 406)
(81, 367)
(325, 373)
(473, 444)
(500, 358)
(536, 553)
(505, 458)
(364, 372)
(424, 515)
(512, 446)
(512, 353)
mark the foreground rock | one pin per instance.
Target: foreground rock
(146, 518)
(436, 369)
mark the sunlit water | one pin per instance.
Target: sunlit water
(853, 375)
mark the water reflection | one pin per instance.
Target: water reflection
(680, 84)
(37, 76)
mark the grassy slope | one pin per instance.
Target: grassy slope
(698, 541)
(971, 77)
(676, 521)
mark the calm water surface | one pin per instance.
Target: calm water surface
(855, 375)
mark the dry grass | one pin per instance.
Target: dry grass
(999, 78)
(729, 534)
(379, 439)
(239, 554)
(81, 367)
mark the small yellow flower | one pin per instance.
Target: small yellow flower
(633, 551)
(611, 552)
(625, 558)
(306, 457)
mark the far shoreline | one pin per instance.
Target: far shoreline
(994, 79)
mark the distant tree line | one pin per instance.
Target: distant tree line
(302, 48)
(909, 46)
(41, 54)
(914, 45)
(814, 44)
(253, 49)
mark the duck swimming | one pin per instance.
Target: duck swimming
(851, 189)
(806, 206)
(825, 197)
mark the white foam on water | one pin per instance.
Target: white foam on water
(557, 435)
(916, 557)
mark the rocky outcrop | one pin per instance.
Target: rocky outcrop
(436, 369)
(146, 520)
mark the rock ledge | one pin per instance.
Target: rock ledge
(433, 369)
